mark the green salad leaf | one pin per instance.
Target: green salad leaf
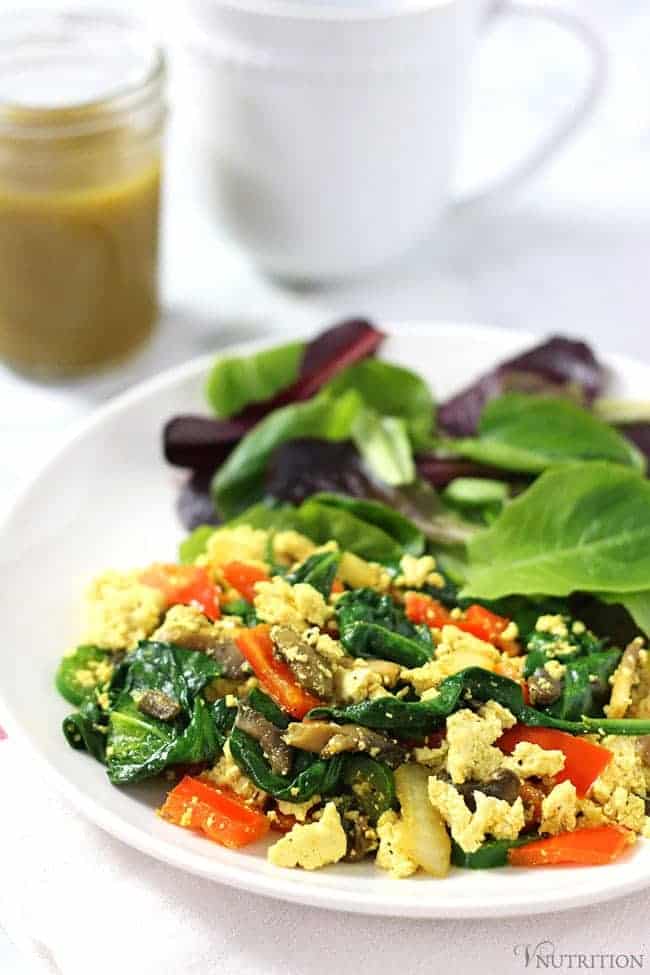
(384, 444)
(521, 432)
(375, 513)
(580, 527)
(392, 391)
(195, 543)
(236, 381)
(239, 481)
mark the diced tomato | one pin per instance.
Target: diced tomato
(583, 760)
(591, 846)
(242, 576)
(483, 624)
(217, 813)
(184, 584)
(274, 675)
(337, 587)
(421, 608)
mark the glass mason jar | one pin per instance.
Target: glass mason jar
(82, 112)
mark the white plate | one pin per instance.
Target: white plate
(106, 499)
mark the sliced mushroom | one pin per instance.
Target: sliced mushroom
(276, 750)
(502, 784)
(312, 670)
(329, 739)
(543, 689)
(159, 705)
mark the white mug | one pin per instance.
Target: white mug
(326, 133)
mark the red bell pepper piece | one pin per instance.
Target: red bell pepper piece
(583, 760)
(591, 846)
(242, 576)
(217, 813)
(421, 608)
(274, 675)
(184, 584)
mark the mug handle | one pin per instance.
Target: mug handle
(565, 127)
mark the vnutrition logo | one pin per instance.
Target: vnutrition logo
(547, 956)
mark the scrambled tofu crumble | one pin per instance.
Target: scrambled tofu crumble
(244, 721)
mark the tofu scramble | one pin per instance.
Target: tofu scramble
(290, 690)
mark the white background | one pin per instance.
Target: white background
(570, 253)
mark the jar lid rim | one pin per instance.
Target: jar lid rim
(25, 30)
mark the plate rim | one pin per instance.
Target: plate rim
(295, 887)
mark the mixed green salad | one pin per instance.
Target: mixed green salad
(396, 630)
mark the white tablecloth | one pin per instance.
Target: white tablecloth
(571, 253)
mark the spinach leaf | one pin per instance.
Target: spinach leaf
(262, 703)
(367, 606)
(239, 481)
(81, 672)
(494, 853)
(85, 730)
(418, 718)
(585, 686)
(375, 513)
(530, 433)
(236, 381)
(579, 527)
(178, 673)
(370, 640)
(543, 646)
(139, 745)
(223, 717)
(384, 444)
(316, 776)
(319, 571)
(391, 391)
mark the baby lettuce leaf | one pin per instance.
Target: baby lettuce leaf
(579, 527)
(240, 481)
(305, 466)
(558, 365)
(234, 382)
(393, 391)
(530, 433)
(195, 543)
(375, 513)
(323, 522)
(312, 775)
(76, 679)
(384, 444)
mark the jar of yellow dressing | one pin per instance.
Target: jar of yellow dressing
(82, 112)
